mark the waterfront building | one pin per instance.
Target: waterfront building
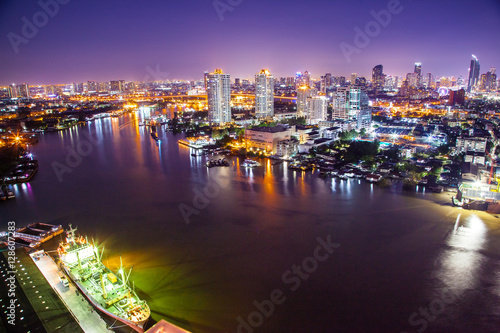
(287, 148)
(473, 73)
(264, 94)
(266, 138)
(219, 97)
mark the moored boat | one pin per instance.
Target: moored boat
(248, 163)
(108, 293)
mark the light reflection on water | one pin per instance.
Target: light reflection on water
(263, 221)
(460, 263)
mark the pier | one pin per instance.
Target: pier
(86, 316)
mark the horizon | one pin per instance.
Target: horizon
(73, 42)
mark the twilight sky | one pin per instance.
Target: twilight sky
(106, 40)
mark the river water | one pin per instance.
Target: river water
(211, 249)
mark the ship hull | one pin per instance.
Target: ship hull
(138, 327)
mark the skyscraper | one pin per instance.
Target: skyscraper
(341, 103)
(12, 91)
(316, 108)
(264, 94)
(303, 93)
(351, 103)
(473, 73)
(205, 79)
(418, 74)
(378, 77)
(326, 82)
(219, 97)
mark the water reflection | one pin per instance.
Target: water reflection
(461, 261)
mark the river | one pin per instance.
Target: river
(266, 249)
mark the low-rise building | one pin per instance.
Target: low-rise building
(466, 144)
(266, 138)
(287, 148)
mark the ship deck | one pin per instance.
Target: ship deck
(82, 311)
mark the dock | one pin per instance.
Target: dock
(86, 316)
(38, 308)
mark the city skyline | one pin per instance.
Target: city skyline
(134, 42)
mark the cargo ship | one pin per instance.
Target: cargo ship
(108, 293)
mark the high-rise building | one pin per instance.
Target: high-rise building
(358, 100)
(117, 86)
(219, 97)
(316, 109)
(418, 72)
(77, 88)
(326, 82)
(205, 78)
(302, 79)
(473, 73)
(91, 86)
(303, 93)
(351, 103)
(341, 103)
(353, 78)
(264, 94)
(290, 81)
(237, 82)
(378, 77)
(13, 91)
(488, 80)
(361, 81)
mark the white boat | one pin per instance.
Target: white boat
(248, 163)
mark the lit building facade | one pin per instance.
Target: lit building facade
(219, 97)
(264, 94)
(473, 73)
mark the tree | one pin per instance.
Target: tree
(444, 149)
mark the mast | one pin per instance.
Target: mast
(104, 294)
(121, 272)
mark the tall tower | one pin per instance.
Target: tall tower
(418, 74)
(378, 77)
(341, 103)
(264, 94)
(473, 73)
(13, 91)
(219, 97)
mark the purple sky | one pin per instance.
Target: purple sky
(109, 40)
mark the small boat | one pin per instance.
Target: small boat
(248, 163)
